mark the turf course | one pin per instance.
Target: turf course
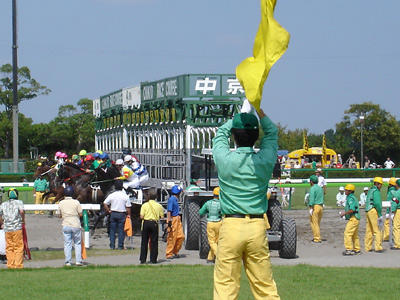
(192, 282)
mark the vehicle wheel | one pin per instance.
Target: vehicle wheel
(274, 214)
(289, 239)
(192, 226)
(203, 239)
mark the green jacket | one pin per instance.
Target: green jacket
(244, 174)
(41, 185)
(374, 200)
(316, 195)
(213, 210)
(389, 197)
(352, 204)
(395, 206)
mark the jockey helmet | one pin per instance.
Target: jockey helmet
(39, 164)
(104, 156)
(99, 151)
(119, 162)
(12, 193)
(82, 152)
(96, 155)
(128, 158)
(75, 156)
(64, 155)
(89, 157)
(58, 153)
(176, 190)
(69, 191)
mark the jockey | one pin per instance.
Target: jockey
(75, 159)
(87, 163)
(105, 160)
(133, 173)
(97, 161)
(82, 154)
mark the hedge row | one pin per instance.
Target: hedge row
(15, 177)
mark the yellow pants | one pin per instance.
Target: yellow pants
(315, 221)
(14, 249)
(386, 230)
(351, 240)
(372, 230)
(213, 234)
(396, 229)
(243, 241)
(175, 237)
(39, 200)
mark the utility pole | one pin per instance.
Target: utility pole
(15, 86)
(362, 144)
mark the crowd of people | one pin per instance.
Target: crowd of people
(336, 162)
(377, 229)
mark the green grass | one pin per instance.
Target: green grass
(192, 282)
(59, 254)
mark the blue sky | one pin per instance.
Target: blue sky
(341, 52)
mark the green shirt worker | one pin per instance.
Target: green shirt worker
(352, 214)
(373, 208)
(315, 203)
(389, 197)
(396, 217)
(213, 210)
(243, 178)
(40, 186)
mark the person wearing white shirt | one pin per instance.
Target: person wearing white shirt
(389, 164)
(363, 197)
(321, 179)
(341, 197)
(119, 206)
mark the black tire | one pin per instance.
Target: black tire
(203, 239)
(274, 214)
(191, 226)
(289, 239)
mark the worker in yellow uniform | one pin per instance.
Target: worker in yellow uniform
(389, 197)
(40, 186)
(352, 214)
(373, 208)
(396, 217)
(315, 203)
(213, 210)
(243, 178)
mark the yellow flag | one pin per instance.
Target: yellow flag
(271, 42)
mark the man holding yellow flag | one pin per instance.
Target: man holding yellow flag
(244, 175)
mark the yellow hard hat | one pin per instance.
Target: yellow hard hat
(216, 191)
(378, 180)
(392, 181)
(350, 187)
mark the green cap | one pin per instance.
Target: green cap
(314, 178)
(245, 121)
(12, 193)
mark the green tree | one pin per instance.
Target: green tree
(381, 132)
(28, 88)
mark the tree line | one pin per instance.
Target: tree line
(71, 130)
(73, 127)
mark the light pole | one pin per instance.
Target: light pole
(15, 86)
(362, 144)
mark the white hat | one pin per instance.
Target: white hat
(319, 170)
(119, 162)
(341, 188)
(127, 158)
(366, 189)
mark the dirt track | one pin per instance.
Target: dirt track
(44, 232)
